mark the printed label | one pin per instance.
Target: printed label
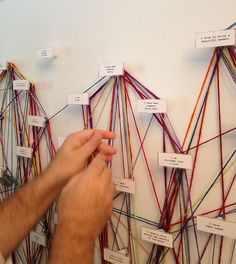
(174, 160)
(115, 257)
(3, 65)
(111, 69)
(38, 121)
(78, 99)
(152, 106)
(124, 185)
(216, 38)
(38, 238)
(60, 141)
(157, 237)
(21, 85)
(24, 152)
(45, 53)
(216, 226)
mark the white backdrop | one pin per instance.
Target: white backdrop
(154, 39)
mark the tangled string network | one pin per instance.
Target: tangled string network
(176, 196)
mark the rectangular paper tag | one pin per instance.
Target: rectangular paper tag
(216, 38)
(3, 65)
(38, 238)
(60, 141)
(45, 53)
(157, 237)
(24, 152)
(124, 185)
(21, 85)
(115, 257)
(152, 106)
(216, 226)
(110, 69)
(38, 121)
(78, 99)
(174, 160)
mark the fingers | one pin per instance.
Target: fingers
(98, 164)
(94, 142)
(107, 149)
(105, 134)
(80, 138)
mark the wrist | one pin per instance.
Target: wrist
(68, 234)
(78, 230)
(55, 177)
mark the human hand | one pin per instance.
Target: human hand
(86, 201)
(73, 156)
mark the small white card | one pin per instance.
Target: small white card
(38, 238)
(24, 152)
(60, 141)
(38, 121)
(45, 53)
(21, 85)
(152, 106)
(3, 65)
(216, 226)
(157, 237)
(115, 257)
(174, 160)
(216, 39)
(78, 99)
(124, 185)
(111, 69)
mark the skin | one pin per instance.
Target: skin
(68, 169)
(84, 208)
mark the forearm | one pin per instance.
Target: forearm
(20, 213)
(71, 245)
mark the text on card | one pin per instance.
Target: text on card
(157, 237)
(174, 160)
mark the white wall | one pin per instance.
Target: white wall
(154, 39)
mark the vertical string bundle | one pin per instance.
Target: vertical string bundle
(112, 106)
(16, 106)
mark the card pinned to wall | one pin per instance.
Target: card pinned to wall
(78, 99)
(24, 152)
(115, 257)
(38, 238)
(151, 106)
(158, 237)
(45, 53)
(214, 39)
(21, 85)
(111, 69)
(3, 65)
(216, 226)
(38, 121)
(124, 185)
(174, 160)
